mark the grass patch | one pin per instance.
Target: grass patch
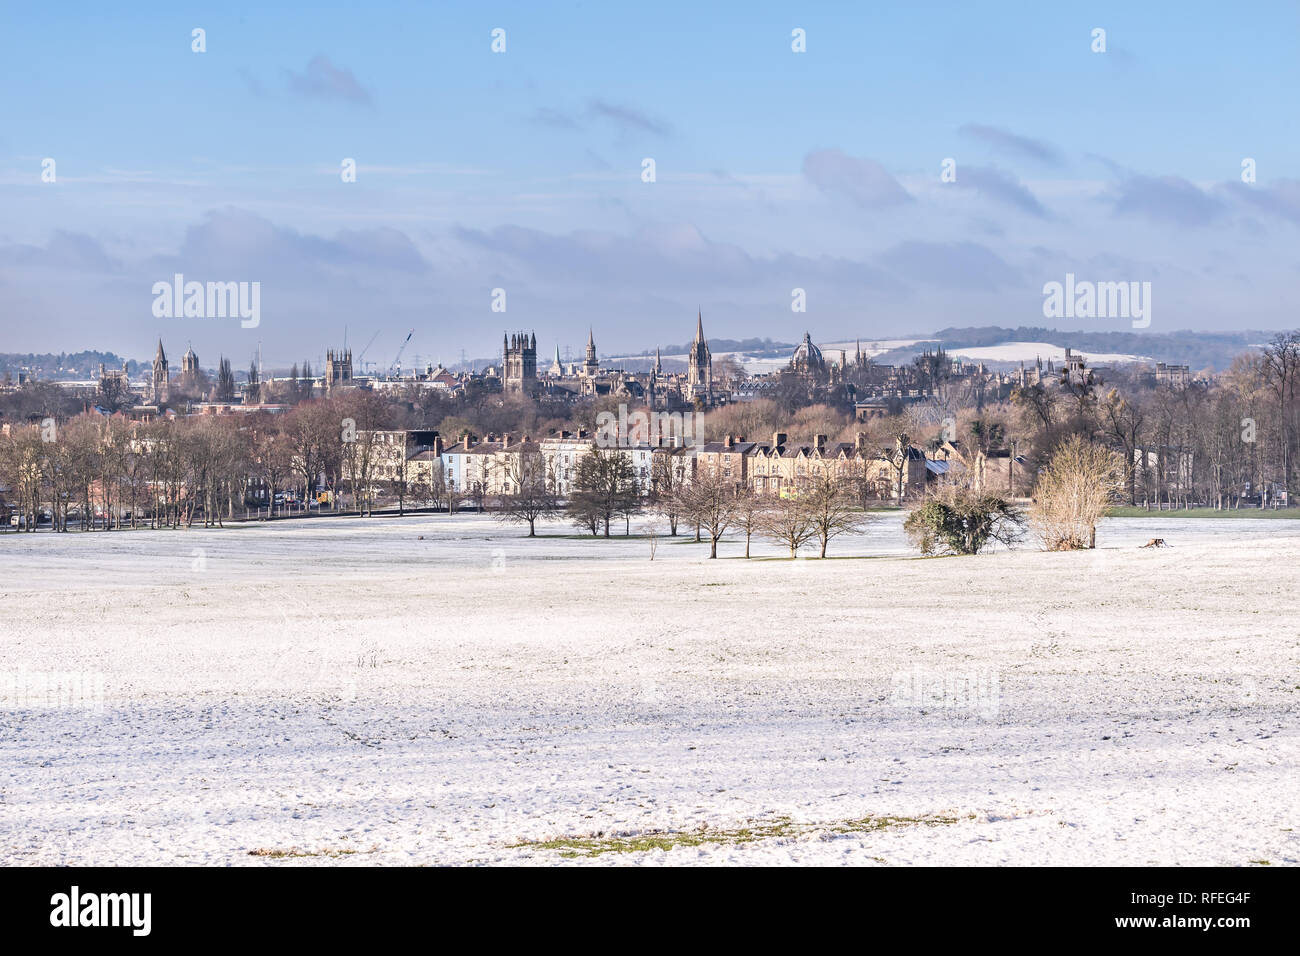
(1125, 511)
(781, 827)
(294, 852)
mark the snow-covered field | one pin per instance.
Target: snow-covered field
(442, 690)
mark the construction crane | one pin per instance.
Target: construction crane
(360, 364)
(397, 362)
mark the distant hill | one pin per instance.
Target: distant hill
(1197, 349)
(63, 366)
(764, 348)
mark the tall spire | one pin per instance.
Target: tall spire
(591, 338)
(699, 326)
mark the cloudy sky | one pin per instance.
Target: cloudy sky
(523, 170)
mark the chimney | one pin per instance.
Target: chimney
(582, 434)
(729, 441)
(466, 440)
(505, 439)
(778, 439)
(819, 442)
(437, 445)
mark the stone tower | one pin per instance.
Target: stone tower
(591, 366)
(699, 366)
(338, 369)
(160, 383)
(520, 365)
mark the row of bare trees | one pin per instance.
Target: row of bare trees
(819, 509)
(105, 472)
(1225, 442)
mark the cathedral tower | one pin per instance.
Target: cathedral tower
(699, 366)
(519, 369)
(160, 383)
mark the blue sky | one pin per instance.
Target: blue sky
(522, 170)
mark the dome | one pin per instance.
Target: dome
(808, 357)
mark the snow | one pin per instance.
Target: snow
(441, 689)
(1027, 352)
(872, 347)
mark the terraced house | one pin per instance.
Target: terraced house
(495, 465)
(779, 466)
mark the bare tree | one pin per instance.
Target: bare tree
(361, 416)
(313, 430)
(829, 505)
(667, 480)
(530, 494)
(114, 394)
(1281, 367)
(786, 520)
(271, 460)
(711, 503)
(898, 457)
(1081, 480)
(20, 464)
(1124, 419)
(225, 381)
(603, 487)
(751, 512)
